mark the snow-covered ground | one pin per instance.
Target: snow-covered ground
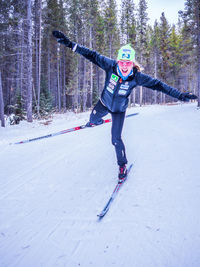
(51, 191)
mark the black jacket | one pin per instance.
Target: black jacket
(116, 91)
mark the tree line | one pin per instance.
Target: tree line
(38, 76)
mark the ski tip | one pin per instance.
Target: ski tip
(130, 166)
(100, 217)
(132, 114)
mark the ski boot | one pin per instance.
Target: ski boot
(89, 124)
(122, 174)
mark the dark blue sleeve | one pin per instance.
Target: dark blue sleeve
(155, 84)
(103, 62)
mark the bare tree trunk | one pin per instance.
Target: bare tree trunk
(38, 10)
(22, 66)
(155, 74)
(110, 47)
(58, 83)
(141, 95)
(64, 80)
(34, 94)
(29, 61)
(133, 97)
(140, 88)
(91, 71)
(1, 104)
(84, 91)
(198, 50)
(164, 98)
(49, 68)
(77, 89)
(98, 80)
(85, 84)
(19, 61)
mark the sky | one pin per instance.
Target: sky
(169, 7)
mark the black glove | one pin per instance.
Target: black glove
(187, 96)
(62, 39)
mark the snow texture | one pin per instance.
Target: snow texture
(51, 191)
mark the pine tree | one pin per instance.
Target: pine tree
(37, 49)
(142, 31)
(155, 43)
(100, 46)
(45, 99)
(12, 15)
(75, 33)
(164, 49)
(54, 56)
(149, 96)
(111, 29)
(29, 62)
(191, 45)
(94, 26)
(142, 51)
(128, 22)
(175, 59)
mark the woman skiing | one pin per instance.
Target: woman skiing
(122, 75)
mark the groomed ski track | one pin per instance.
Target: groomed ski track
(52, 190)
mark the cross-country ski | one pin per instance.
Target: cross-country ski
(114, 194)
(73, 129)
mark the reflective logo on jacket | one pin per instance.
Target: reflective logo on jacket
(116, 92)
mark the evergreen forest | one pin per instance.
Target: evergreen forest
(38, 76)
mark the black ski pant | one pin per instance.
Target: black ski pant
(96, 115)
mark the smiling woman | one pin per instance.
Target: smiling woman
(125, 59)
(121, 78)
(125, 67)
